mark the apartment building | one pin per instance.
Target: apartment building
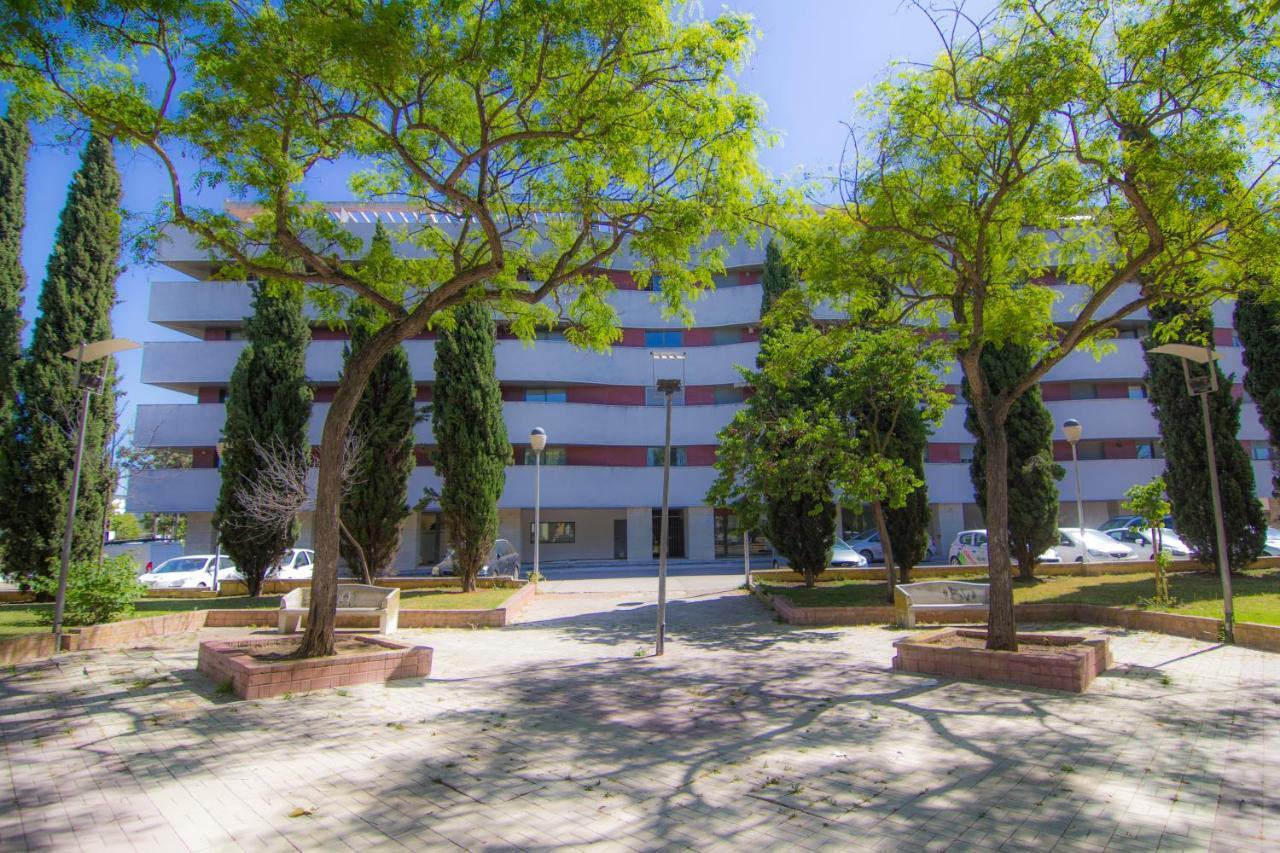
(602, 475)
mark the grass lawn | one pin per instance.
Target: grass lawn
(452, 599)
(1256, 593)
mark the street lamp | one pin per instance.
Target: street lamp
(1202, 387)
(89, 384)
(537, 441)
(668, 386)
(1072, 430)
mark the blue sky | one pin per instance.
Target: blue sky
(812, 56)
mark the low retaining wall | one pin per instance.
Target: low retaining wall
(1249, 635)
(15, 596)
(238, 588)
(223, 661)
(132, 631)
(26, 648)
(1073, 665)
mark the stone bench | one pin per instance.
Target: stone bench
(382, 601)
(933, 596)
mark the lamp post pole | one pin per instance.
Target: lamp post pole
(668, 387)
(537, 441)
(1072, 430)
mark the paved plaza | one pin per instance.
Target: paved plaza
(564, 731)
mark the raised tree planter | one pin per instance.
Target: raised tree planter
(224, 661)
(1057, 661)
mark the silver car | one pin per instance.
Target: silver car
(844, 556)
(868, 545)
(503, 562)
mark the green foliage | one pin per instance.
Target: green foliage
(1032, 474)
(268, 405)
(818, 425)
(15, 144)
(473, 449)
(1258, 324)
(125, 526)
(95, 593)
(908, 525)
(777, 279)
(1186, 463)
(75, 305)
(1148, 501)
(375, 506)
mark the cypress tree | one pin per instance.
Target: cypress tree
(15, 144)
(777, 278)
(472, 445)
(268, 405)
(1186, 463)
(75, 305)
(1033, 475)
(908, 525)
(375, 507)
(1258, 325)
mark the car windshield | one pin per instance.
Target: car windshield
(1098, 539)
(841, 545)
(181, 564)
(1273, 533)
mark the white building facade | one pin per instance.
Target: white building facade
(602, 474)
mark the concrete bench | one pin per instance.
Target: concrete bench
(933, 596)
(382, 601)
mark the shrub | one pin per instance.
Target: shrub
(96, 594)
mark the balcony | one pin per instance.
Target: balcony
(192, 425)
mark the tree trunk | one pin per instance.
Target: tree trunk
(468, 581)
(1002, 630)
(810, 578)
(253, 583)
(318, 639)
(364, 563)
(1026, 570)
(877, 510)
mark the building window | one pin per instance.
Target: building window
(1150, 450)
(555, 533)
(550, 456)
(548, 335)
(1260, 450)
(1137, 392)
(728, 394)
(658, 338)
(546, 395)
(428, 538)
(1090, 450)
(730, 335)
(222, 398)
(678, 456)
(1084, 391)
(654, 397)
(966, 453)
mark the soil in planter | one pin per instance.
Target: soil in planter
(964, 640)
(284, 649)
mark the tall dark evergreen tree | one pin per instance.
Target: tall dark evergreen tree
(1033, 475)
(75, 305)
(1258, 325)
(473, 450)
(778, 277)
(268, 405)
(15, 145)
(1186, 463)
(375, 507)
(908, 525)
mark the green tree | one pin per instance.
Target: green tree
(1081, 142)
(1186, 463)
(819, 423)
(268, 404)
(598, 123)
(472, 446)
(1147, 500)
(1033, 475)
(125, 525)
(908, 525)
(15, 145)
(375, 507)
(1258, 324)
(75, 305)
(778, 277)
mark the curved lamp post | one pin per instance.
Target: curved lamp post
(89, 383)
(537, 441)
(1202, 387)
(1072, 430)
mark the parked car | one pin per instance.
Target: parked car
(1272, 546)
(504, 562)
(1074, 545)
(970, 546)
(1117, 521)
(194, 571)
(867, 544)
(1142, 540)
(296, 564)
(845, 556)
(145, 553)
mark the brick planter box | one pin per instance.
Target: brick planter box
(224, 661)
(1072, 665)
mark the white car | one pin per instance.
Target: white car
(296, 564)
(845, 556)
(1143, 541)
(1074, 546)
(1272, 546)
(970, 546)
(194, 571)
